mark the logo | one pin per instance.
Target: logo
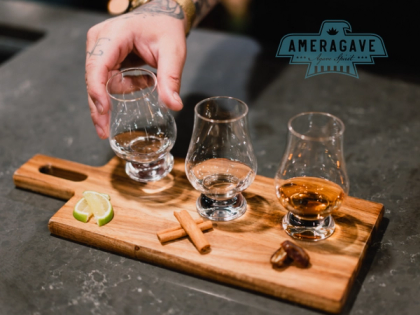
(335, 49)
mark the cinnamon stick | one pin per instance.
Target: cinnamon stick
(193, 231)
(178, 233)
(178, 227)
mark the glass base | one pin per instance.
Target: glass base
(150, 172)
(221, 210)
(308, 230)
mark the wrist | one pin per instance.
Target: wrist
(186, 6)
(189, 10)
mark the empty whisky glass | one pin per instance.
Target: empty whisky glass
(312, 181)
(142, 130)
(220, 162)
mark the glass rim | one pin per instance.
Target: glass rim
(221, 120)
(126, 70)
(303, 137)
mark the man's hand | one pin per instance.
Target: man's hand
(155, 32)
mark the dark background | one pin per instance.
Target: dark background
(269, 20)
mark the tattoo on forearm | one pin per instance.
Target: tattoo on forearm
(173, 9)
(95, 51)
(165, 7)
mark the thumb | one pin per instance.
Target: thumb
(169, 72)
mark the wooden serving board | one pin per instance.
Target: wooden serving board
(240, 249)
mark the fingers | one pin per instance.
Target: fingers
(100, 121)
(108, 45)
(171, 61)
(99, 62)
(102, 56)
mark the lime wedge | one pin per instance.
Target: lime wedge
(100, 206)
(82, 211)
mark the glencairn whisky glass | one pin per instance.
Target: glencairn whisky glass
(312, 182)
(142, 130)
(220, 162)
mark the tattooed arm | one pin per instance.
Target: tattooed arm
(154, 32)
(202, 7)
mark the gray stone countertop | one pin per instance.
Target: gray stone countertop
(43, 109)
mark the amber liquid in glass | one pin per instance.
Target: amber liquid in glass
(310, 198)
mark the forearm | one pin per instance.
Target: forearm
(173, 9)
(202, 8)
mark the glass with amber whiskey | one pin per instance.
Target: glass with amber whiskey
(311, 182)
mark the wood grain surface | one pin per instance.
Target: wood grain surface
(240, 249)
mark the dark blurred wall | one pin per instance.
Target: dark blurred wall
(395, 21)
(269, 20)
(94, 5)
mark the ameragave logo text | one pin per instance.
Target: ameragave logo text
(333, 50)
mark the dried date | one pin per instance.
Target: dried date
(287, 253)
(296, 253)
(280, 258)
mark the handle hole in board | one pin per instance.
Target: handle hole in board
(62, 173)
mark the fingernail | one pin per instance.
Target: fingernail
(99, 107)
(177, 98)
(99, 131)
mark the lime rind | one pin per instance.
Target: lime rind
(82, 211)
(108, 216)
